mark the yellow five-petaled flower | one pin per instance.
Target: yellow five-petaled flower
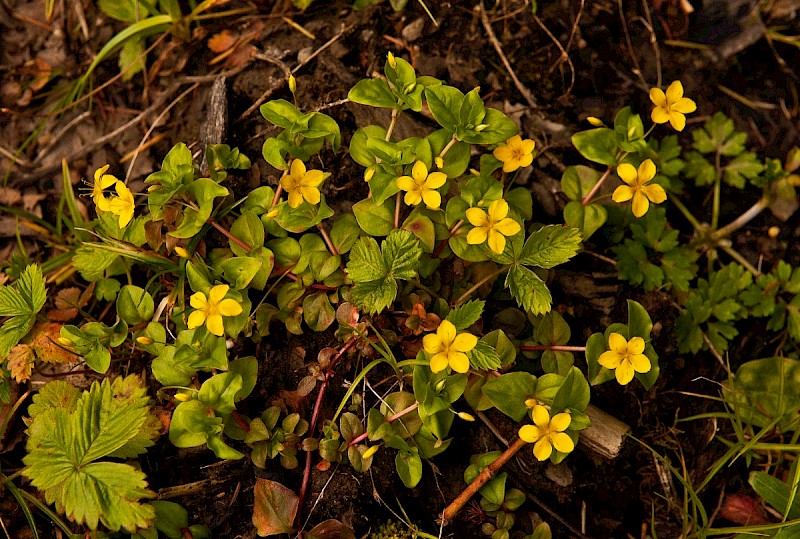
(637, 187)
(493, 226)
(211, 310)
(301, 184)
(671, 106)
(122, 205)
(102, 181)
(421, 186)
(449, 347)
(547, 433)
(516, 153)
(625, 357)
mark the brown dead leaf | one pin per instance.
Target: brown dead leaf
(66, 305)
(9, 196)
(44, 341)
(20, 362)
(31, 200)
(222, 41)
(274, 509)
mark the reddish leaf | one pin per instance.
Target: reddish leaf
(743, 510)
(330, 529)
(274, 509)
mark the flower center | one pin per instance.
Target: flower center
(517, 154)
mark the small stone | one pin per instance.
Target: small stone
(413, 31)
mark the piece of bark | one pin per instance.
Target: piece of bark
(216, 119)
(606, 435)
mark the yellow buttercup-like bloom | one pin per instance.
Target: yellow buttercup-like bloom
(547, 433)
(122, 205)
(448, 347)
(671, 106)
(421, 186)
(637, 188)
(625, 357)
(211, 310)
(516, 153)
(102, 181)
(493, 226)
(301, 184)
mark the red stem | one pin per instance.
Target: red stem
(240, 421)
(588, 198)
(398, 415)
(230, 236)
(553, 347)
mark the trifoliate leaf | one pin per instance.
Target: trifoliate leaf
(550, 246)
(529, 290)
(374, 295)
(401, 253)
(718, 135)
(743, 167)
(21, 301)
(465, 315)
(366, 261)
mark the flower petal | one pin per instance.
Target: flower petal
(525, 160)
(560, 422)
(677, 120)
(635, 345)
(297, 170)
(498, 210)
(229, 307)
(432, 343)
(458, 361)
(542, 449)
(196, 319)
(562, 442)
(684, 105)
(214, 325)
(99, 172)
(640, 204)
(514, 142)
(477, 217)
(618, 343)
(628, 174)
(435, 180)
(406, 183)
(419, 171)
(624, 373)
(477, 235)
(527, 146)
(641, 363)
(464, 342)
(311, 194)
(439, 362)
(497, 242)
(529, 433)
(313, 178)
(647, 171)
(412, 198)
(507, 226)
(658, 97)
(623, 193)
(198, 300)
(610, 359)
(217, 292)
(674, 92)
(503, 153)
(431, 198)
(446, 332)
(659, 115)
(655, 193)
(511, 165)
(295, 198)
(540, 416)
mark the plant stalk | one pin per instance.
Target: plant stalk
(461, 299)
(391, 418)
(743, 219)
(552, 347)
(588, 198)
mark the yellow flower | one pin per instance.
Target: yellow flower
(301, 184)
(210, 311)
(637, 187)
(102, 181)
(421, 186)
(672, 106)
(493, 226)
(122, 205)
(547, 433)
(517, 153)
(625, 357)
(448, 348)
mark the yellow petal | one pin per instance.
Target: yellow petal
(655, 193)
(657, 97)
(313, 178)
(647, 171)
(477, 217)
(198, 300)
(439, 362)
(419, 171)
(432, 198)
(297, 170)
(561, 421)
(435, 180)
(624, 373)
(196, 319)
(217, 292)
(432, 343)
(641, 363)
(514, 142)
(511, 165)
(477, 235)
(635, 345)
(507, 227)
(640, 204)
(618, 343)
(311, 194)
(674, 92)
(542, 449)
(295, 198)
(503, 153)
(406, 183)
(529, 433)
(628, 174)
(498, 210)
(677, 120)
(214, 325)
(99, 172)
(497, 242)
(528, 145)
(526, 160)
(464, 342)
(684, 105)
(540, 416)
(562, 442)
(446, 332)
(623, 193)
(229, 307)
(659, 115)
(458, 361)
(412, 198)
(610, 359)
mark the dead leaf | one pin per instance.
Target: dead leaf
(9, 196)
(20, 362)
(274, 509)
(330, 529)
(31, 200)
(222, 41)
(44, 341)
(66, 305)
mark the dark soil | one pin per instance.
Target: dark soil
(604, 69)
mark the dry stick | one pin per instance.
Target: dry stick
(499, 49)
(564, 55)
(637, 69)
(315, 417)
(452, 510)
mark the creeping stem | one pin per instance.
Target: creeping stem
(588, 198)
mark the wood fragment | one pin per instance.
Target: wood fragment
(606, 435)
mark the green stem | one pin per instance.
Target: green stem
(717, 192)
(447, 148)
(734, 254)
(392, 123)
(465, 296)
(552, 347)
(743, 219)
(686, 213)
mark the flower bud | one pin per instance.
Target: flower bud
(391, 60)
(369, 452)
(481, 127)
(182, 397)
(369, 173)
(439, 162)
(65, 341)
(145, 340)
(773, 232)
(292, 84)
(597, 122)
(465, 416)
(181, 252)
(530, 403)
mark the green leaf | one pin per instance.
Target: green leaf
(529, 290)
(374, 219)
(274, 509)
(444, 103)
(240, 270)
(578, 181)
(718, 135)
(597, 145)
(573, 393)
(743, 167)
(467, 314)
(409, 467)
(318, 311)
(344, 232)
(22, 301)
(499, 129)
(484, 357)
(587, 218)
(63, 446)
(765, 390)
(249, 229)
(134, 305)
(776, 493)
(550, 246)
(376, 295)
(373, 92)
(509, 392)
(366, 261)
(401, 254)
